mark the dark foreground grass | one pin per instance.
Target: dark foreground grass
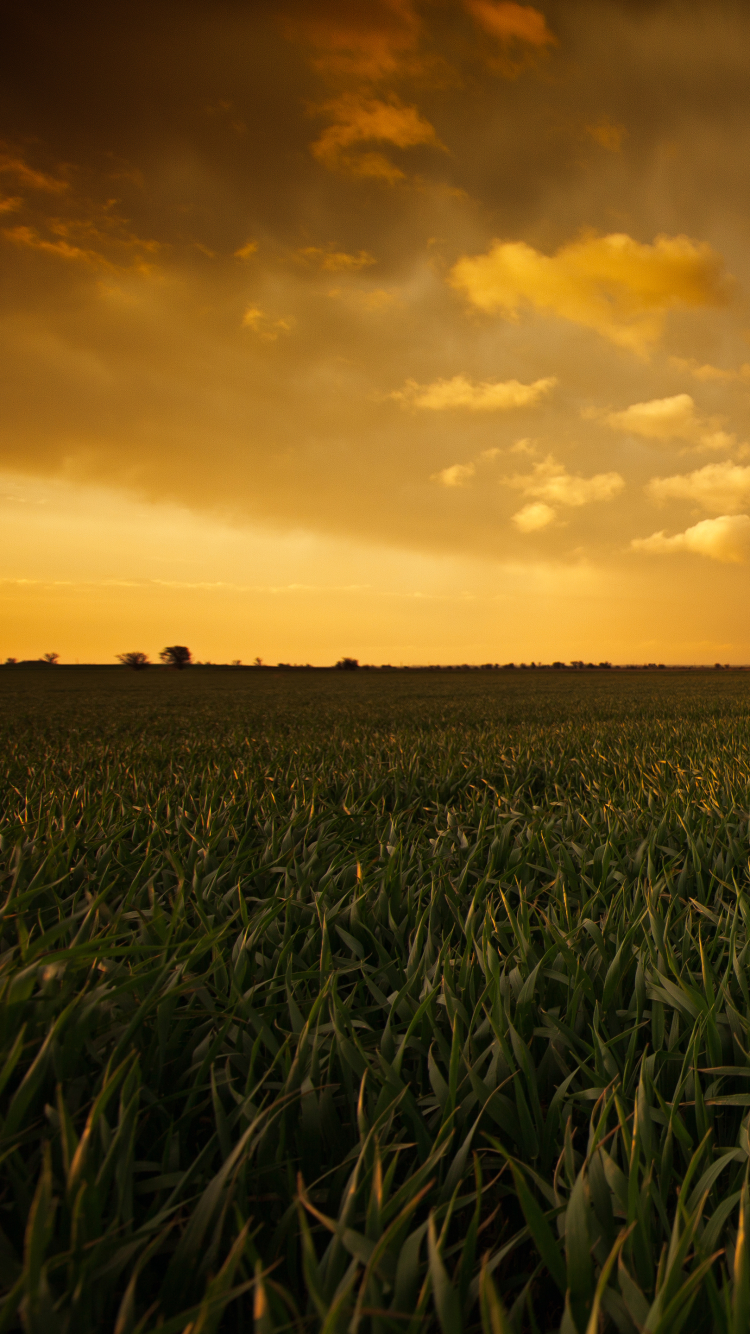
(343, 1002)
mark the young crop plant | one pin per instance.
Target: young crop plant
(406, 1002)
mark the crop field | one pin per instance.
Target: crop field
(368, 1002)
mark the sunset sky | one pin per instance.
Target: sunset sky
(412, 330)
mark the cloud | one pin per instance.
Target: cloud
(30, 177)
(245, 251)
(98, 237)
(723, 488)
(371, 41)
(360, 120)
(378, 299)
(553, 485)
(612, 284)
(337, 261)
(707, 372)
(459, 474)
(551, 482)
(533, 517)
(607, 135)
(511, 22)
(673, 418)
(725, 539)
(29, 237)
(487, 396)
(264, 325)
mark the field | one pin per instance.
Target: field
(367, 1002)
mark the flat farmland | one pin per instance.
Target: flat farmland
(374, 1001)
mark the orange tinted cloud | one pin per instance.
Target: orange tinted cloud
(551, 482)
(607, 135)
(370, 41)
(489, 396)
(612, 284)
(29, 176)
(27, 236)
(459, 474)
(534, 516)
(360, 120)
(511, 22)
(726, 539)
(337, 261)
(673, 418)
(721, 487)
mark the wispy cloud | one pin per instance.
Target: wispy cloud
(337, 261)
(483, 396)
(705, 372)
(606, 134)
(265, 325)
(30, 176)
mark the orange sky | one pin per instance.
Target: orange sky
(417, 331)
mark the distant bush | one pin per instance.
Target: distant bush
(136, 660)
(176, 656)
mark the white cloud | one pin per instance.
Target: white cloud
(534, 516)
(725, 539)
(723, 488)
(674, 418)
(459, 474)
(485, 396)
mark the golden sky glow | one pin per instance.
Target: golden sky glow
(415, 330)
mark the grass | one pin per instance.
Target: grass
(342, 1002)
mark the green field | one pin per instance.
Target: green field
(379, 1002)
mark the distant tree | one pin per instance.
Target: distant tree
(51, 658)
(136, 660)
(257, 662)
(347, 664)
(176, 656)
(10, 662)
(236, 662)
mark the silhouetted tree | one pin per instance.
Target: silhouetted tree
(176, 656)
(347, 664)
(136, 660)
(51, 658)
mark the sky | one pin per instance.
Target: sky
(416, 331)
